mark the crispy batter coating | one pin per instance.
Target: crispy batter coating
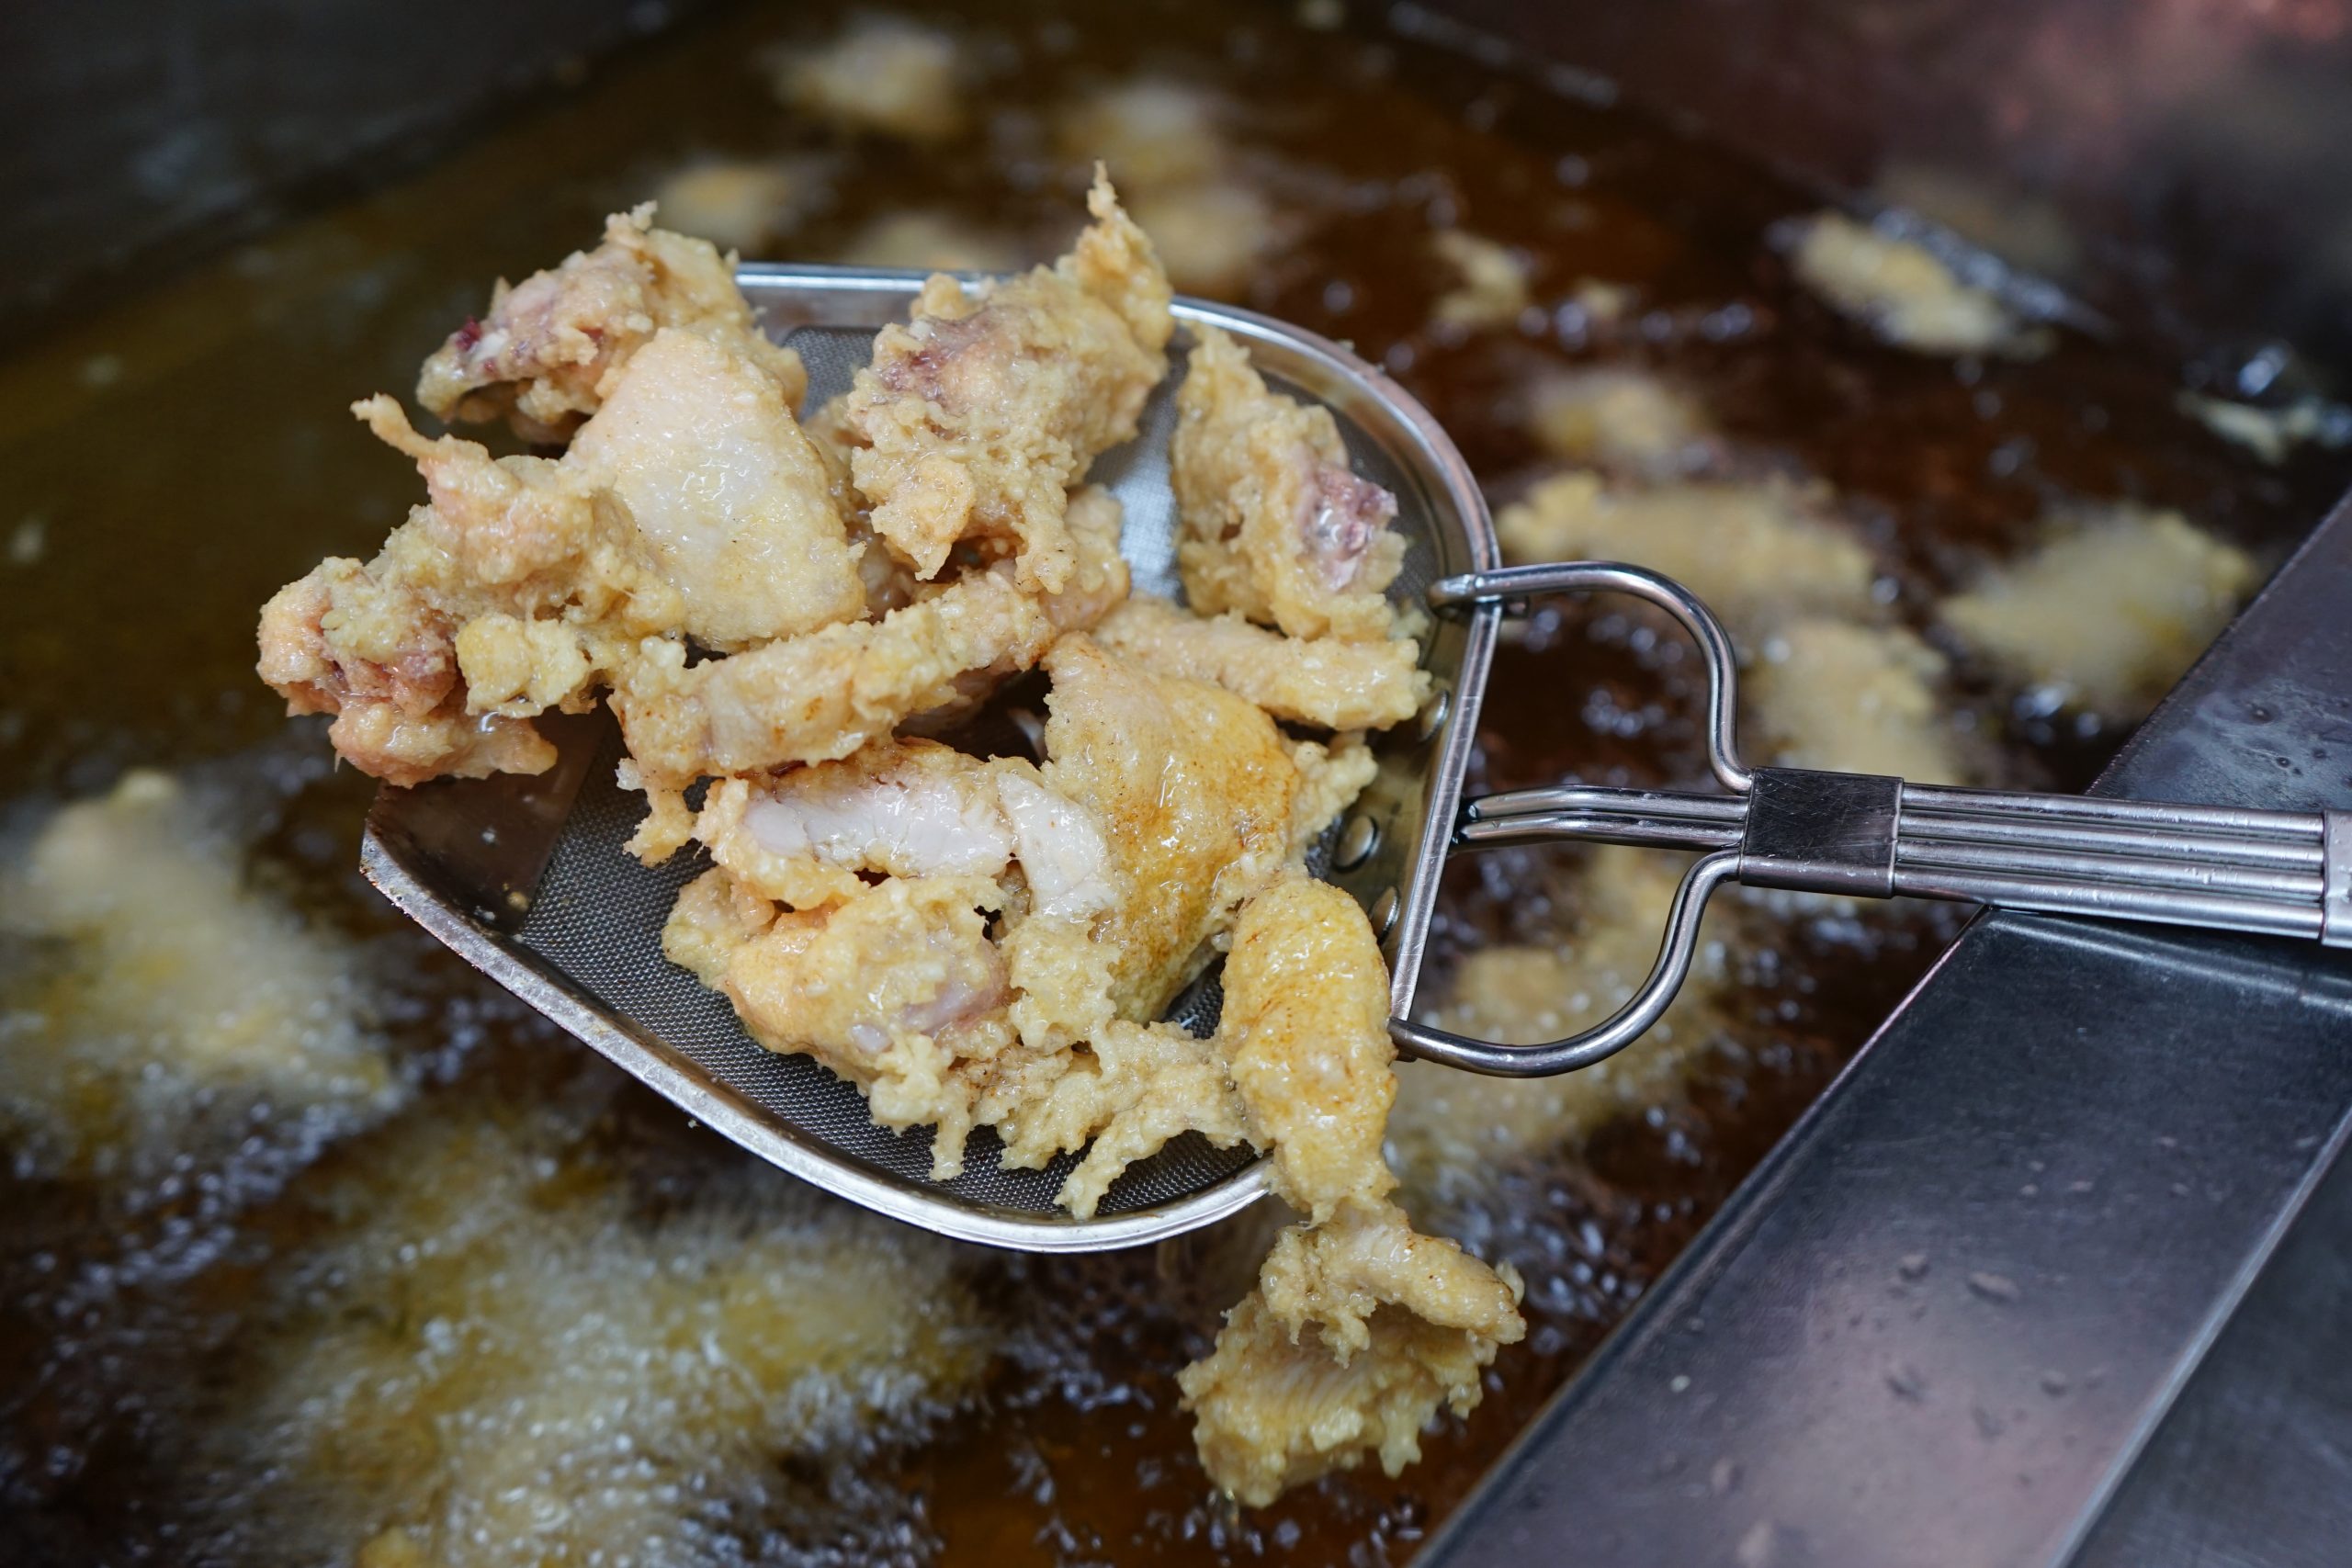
(1277, 525)
(690, 506)
(511, 591)
(733, 501)
(821, 696)
(545, 354)
(1834, 693)
(1359, 1329)
(1195, 788)
(898, 989)
(1357, 1333)
(1329, 682)
(977, 416)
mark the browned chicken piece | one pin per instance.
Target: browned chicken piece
(975, 417)
(898, 989)
(545, 356)
(1330, 681)
(513, 590)
(733, 501)
(1277, 525)
(1359, 1327)
(821, 696)
(1195, 788)
(1305, 1033)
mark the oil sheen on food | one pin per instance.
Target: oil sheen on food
(316, 1248)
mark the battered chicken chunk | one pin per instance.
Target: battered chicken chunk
(511, 590)
(1329, 682)
(1359, 1329)
(821, 696)
(544, 354)
(977, 416)
(1277, 525)
(690, 506)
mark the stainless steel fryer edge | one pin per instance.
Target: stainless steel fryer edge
(1945, 1318)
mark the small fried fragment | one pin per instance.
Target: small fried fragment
(1906, 294)
(883, 75)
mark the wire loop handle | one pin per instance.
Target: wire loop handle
(2278, 873)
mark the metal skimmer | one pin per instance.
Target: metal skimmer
(525, 877)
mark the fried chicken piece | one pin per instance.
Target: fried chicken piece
(819, 697)
(690, 506)
(882, 75)
(1195, 789)
(1834, 693)
(1277, 525)
(1306, 1033)
(513, 590)
(1357, 1332)
(733, 501)
(1359, 1329)
(975, 417)
(1329, 682)
(898, 989)
(908, 808)
(545, 357)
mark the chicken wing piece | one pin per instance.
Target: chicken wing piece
(1330, 681)
(975, 417)
(545, 357)
(898, 989)
(1277, 525)
(821, 696)
(734, 504)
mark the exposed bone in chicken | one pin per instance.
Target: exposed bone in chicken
(977, 416)
(1329, 682)
(1359, 1329)
(1277, 525)
(544, 354)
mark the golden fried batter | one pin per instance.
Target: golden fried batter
(1330, 681)
(1276, 525)
(977, 416)
(1359, 1329)
(545, 355)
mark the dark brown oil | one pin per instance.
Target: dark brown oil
(184, 454)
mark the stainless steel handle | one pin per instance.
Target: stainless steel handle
(2276, 873)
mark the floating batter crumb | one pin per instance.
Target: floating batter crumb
(546, 1372)
(161, 1003)
(1906, 294)
(883, 76)
(1492, 287)
(2110, 611)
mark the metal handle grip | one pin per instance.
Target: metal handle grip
(2278, 873)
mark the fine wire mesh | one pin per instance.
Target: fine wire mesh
(596, 916)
